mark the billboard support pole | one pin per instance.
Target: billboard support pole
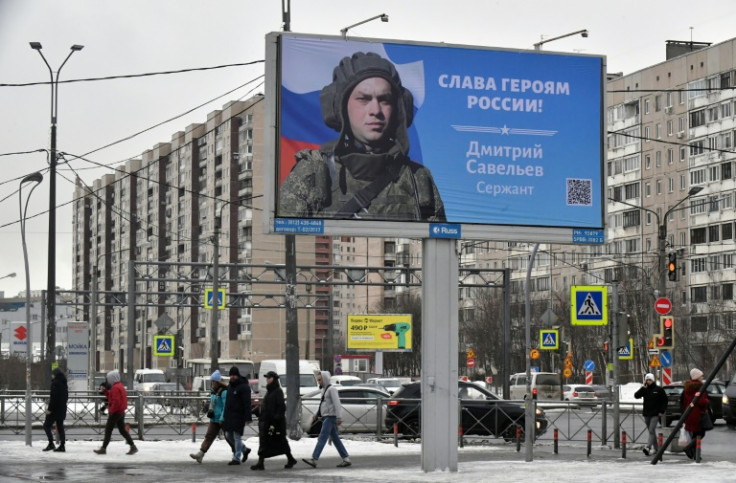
(439, 355)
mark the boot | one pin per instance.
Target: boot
(258, 466)
(101, 450)
(197, 456)
(132, 450)
(245, 454)
(49, 447)
(290, 463)
(60, 449)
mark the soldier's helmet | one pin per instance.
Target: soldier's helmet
(349, 73)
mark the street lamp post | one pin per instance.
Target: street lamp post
(35, 178)
(583, 33)
(662, 235)
(10, 275)
(51, 287)
(344, 31)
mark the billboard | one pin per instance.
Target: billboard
(77, 363)
(370, 332)
(388, 138)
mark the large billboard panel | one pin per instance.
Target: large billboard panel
(390, 138)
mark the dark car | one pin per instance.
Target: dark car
(483, 413)
(729, 403)
(602, 392)
(716, 389)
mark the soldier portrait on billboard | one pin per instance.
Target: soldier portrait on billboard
(366, 172)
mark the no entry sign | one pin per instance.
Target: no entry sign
(663, 305)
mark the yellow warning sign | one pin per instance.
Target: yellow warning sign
(567, 373)
(534, 354)
(654, 362)
(568, 363)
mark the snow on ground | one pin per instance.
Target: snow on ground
(491, 463)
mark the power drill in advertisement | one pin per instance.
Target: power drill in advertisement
(400, 329)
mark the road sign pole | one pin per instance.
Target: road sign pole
(614, 380)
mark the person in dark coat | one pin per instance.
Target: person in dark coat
(237, 415)
(56, 410)
(272, 424)
(654, 407)
(692, 424)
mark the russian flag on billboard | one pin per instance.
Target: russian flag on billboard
(306, 68)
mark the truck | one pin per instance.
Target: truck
(307, 374)
(146, 379)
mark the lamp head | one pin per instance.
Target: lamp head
(76, 47)
(36, 177)
(35, 45)
(384, 17)
(695, 190)
(584, 33)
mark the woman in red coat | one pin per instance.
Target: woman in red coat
(692, 423)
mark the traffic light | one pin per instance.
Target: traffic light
(667, 338)
(672, 267)
(622, 333)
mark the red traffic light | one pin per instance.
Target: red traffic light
(667, 323)
(660, 341)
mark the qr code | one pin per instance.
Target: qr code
(579, 192)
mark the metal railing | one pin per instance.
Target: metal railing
(166, 414)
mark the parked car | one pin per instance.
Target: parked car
(359, 409)
(390, 384)
(545, 385)
(603, 393)
(716, 390)
(483, 413)
(728, 403)
(579, 393)
(345, 380)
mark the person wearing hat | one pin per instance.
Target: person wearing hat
(237, 415)
(654, 407)
(218, 395)
(56, 410)
(272, 424)
(117, 398)
(691, 389)
(366, 172)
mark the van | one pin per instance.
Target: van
(307, 374)
(145, 379)
(545, 386)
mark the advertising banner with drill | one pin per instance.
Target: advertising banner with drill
(383, 332)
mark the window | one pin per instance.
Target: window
(648, 189)
(646, 134)
(699, 323)
(697, 236)
(647, 107)
(683, 184)
(727, 231)
(631, 190)
(670, 128)
(697, 176)
(698, 294)
(647, 161)
(683, 153)
(670, 156)
(631, 218)
(658, 159)
(659, 187)
(727, 291)
(697, 118)
(697, 147)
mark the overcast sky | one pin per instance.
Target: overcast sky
(142, 36)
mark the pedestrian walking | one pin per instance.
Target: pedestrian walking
(693, 425)
(117, 399)
(218, 395)
(272, 424)
(654, 407)
(329, 413)
(237, 415)
(56, 410)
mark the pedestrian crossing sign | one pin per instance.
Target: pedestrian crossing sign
(590, 303)
(163, 345)
(549, 339)
(626, 353)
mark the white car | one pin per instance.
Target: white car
(579, 393)
(390, 384)
(359, 409)
(344, 380)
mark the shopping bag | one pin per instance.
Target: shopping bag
(684, 438)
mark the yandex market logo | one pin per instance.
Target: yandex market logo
(20, 333)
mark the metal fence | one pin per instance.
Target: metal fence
(162, 415)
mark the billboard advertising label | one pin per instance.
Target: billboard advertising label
(386, 138)
(379, 332)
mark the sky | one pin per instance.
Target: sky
(513, 469)
(148, 36)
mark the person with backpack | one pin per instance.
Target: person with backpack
(218, 395)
